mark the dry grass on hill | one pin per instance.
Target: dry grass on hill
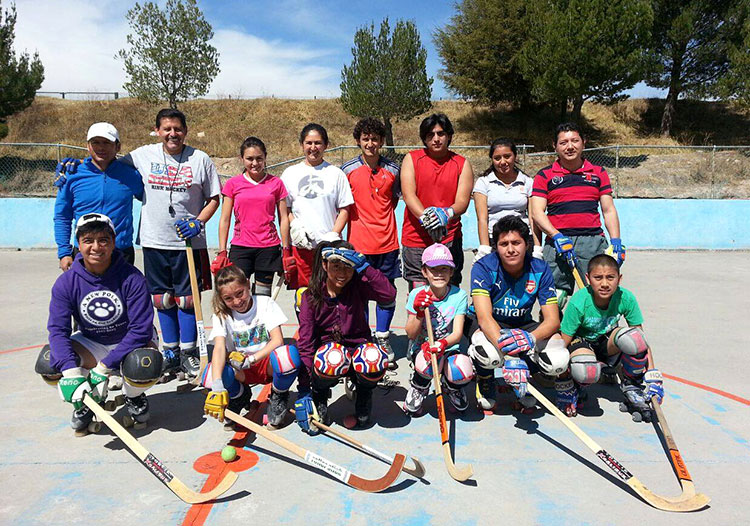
(224, 123)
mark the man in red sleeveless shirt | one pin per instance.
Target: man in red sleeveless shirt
(436, 185)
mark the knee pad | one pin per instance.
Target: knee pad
(483, 352)
(44, 367)
(185, 302)
(141, 368)
(369, 358)
(585, 369)
(285, 359)
(331, 360)
(423, 366)
(631, 341)
(165, 301)
(458, 369)
(554, 359)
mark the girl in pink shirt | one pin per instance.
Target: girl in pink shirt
(255, 197)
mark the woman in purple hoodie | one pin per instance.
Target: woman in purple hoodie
(334, 337)
(108, 299)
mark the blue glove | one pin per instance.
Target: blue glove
(564, 247)
(188, 228)
(350, 257)
(654, 385)
(618, 250)
(516, 375)
(304, 410)
(67, 166)
(515, 341)
(435, 217)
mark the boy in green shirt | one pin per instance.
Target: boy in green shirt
(590, 329)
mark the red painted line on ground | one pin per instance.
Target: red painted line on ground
(215, 467)
(18, 349)
(709, 389)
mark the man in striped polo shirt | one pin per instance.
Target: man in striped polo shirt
(565, 204)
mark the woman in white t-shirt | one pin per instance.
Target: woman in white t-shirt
(502, 190)
(318, 197)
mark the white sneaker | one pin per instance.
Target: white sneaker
(414, 399)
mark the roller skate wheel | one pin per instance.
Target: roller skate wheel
(181, 376)
(139, 425)
(94, 427)
(110, 405)
(81, 433)
(348, 389)
(127, 421)
(623, 407)
(637, 417)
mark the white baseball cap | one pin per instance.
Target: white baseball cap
(94, 218)
(103, 129)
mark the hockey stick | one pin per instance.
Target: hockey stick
(277, 288)
(154, 465)
(678, 465)
(680, 504)
(316, 461)
(418, 470)
(467, 471)
(576, 274)
(202, 345)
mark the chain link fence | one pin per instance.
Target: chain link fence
(698, 172)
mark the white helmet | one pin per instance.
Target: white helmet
(554, 358)
(483, 352)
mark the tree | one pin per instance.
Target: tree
(690, 50)
(169, 56)
(20, 76)
(388, 75)
(735, 85)
(585, 49)
(479, 51)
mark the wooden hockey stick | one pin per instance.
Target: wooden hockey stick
(678, 465)
(467, 471)
(316, 461)
(202, 345)
(277, 288)
(576, 274)
(418, 470)
(681, 504)
(154, 465)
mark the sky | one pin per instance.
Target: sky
(281, 48)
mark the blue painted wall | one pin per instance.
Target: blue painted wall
(646, 223)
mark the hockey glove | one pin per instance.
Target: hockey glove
(73, 386)
(304, 411)
(350, 257)
(515, 341)
(482, 251)
(654, 385)
(67, 166)
(240, 360)
(216, 401)
(422, 300)
(617, 250)
(300, 237)
(537, 252)
(564, 247)
(290, 265)
(438, 348)
(434, 217)
(99, 380)
(516, 375)
(188, 227)
(220, 261)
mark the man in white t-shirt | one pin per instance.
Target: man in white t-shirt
(181, 193)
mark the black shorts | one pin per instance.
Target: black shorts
(264, 262)
(389, 263)
(598, 346)
(167, 270)
(412, 260)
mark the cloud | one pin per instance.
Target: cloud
(78, 39)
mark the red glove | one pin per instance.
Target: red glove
(438, 348)
(290, 265)
(423, 299)
(220, 262)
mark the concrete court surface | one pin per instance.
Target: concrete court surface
(528, 469)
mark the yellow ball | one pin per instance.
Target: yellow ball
(228, 454)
